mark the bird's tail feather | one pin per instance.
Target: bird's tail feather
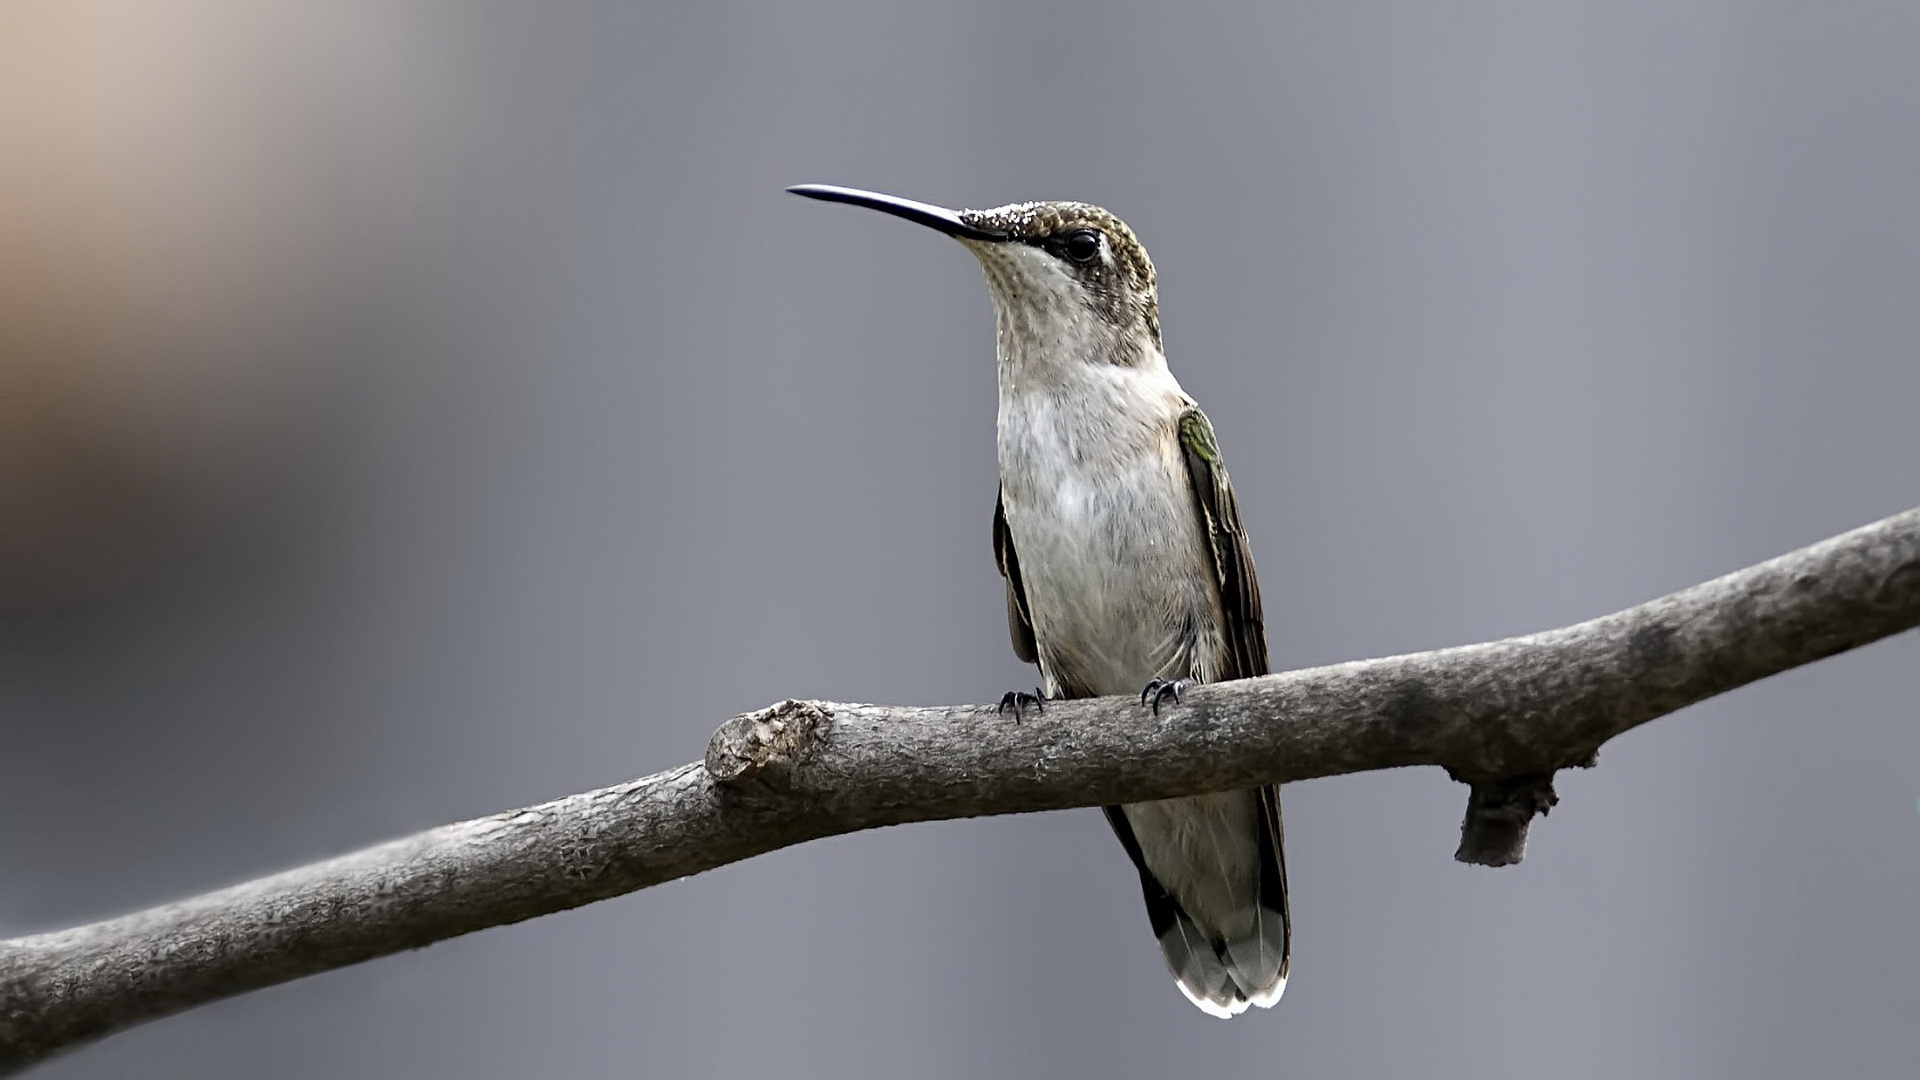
(1208, 979)
(1224, 976)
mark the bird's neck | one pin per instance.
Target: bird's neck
(1064, 346)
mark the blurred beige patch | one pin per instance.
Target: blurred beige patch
(193, 195)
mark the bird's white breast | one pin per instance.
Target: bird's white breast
(1105, 529)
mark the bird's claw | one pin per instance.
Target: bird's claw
(1160, 690)
(1018, 700)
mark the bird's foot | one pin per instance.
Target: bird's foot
(1160, 690)
(1017, 700)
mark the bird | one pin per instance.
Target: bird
(1126, 565)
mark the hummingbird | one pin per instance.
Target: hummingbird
(1127, 569)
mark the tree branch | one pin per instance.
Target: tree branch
(1501, 717)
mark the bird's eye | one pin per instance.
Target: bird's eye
(1081, 245)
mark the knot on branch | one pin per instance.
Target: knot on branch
(1494, 832)
(763, 746)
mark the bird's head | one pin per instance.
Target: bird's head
(1070, 282)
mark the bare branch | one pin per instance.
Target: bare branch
(1501, 717)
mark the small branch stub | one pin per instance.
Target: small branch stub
(1494, 832)
(761, 747)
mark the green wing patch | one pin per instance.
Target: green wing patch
(1196, 436)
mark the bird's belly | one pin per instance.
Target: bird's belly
(1116, 582)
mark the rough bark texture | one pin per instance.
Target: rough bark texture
(1501, 717)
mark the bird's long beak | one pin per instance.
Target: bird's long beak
(934, 217)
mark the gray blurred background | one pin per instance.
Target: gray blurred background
(410, 410)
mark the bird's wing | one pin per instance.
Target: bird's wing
(1019, 621)
(1245, 628)
(1259, 963)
